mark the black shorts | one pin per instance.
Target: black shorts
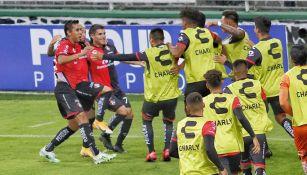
(87, 92)
(274, 101)
(67, 100)
(168, 108)
(110, 101)
(199, 87)
(231, 163)
(119, 97)
(248, 156)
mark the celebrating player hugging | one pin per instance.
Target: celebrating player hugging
(224, 127)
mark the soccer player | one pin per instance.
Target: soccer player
(195, 44)
(104, 72)
(193, 143)
(160, 89)
(72, 86)
(237, 43)
(225, 110)
(254, 106)
(267, 59)
(293, 87)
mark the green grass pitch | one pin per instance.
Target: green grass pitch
(28, 122)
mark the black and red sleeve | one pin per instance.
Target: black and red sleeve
(254, 57)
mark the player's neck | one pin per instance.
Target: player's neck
(196, 113)
(71, 41)
(98, 45)
(216, 90)
(263, 36)
(241, 77)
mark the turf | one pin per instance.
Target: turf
(22, 137)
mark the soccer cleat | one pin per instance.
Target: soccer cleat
(119, 149)
(86, 152)
(106, 140)
(151, 157)
(166, 155)
(103, 157)
(48, 155)
(102, 126)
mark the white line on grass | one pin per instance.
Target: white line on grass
(130, 136)
(41, 124)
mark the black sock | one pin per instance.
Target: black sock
(168, 131)
(149, 135)
(287, 125)
(59, 138)
(87, 137)
(100, 110)
(260, 171)
(115, 120)
(247, 171)
(124, 130)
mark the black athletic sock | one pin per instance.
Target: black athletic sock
(115, 120)
(88, 139)
(168, 130)
(124, 130)
(149, 135)
(100, 110)
(247, 171)
(59, 138)
(260, 171)
(287, 125)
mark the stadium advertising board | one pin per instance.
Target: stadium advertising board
(26, 66)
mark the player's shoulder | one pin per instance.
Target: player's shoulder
(110, 47)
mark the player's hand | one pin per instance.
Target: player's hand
(55, 39)
(86, 50)
(142, 63)
(250, 43)
(96, 55)
(175, 70)
(256, 148)
(220, 59)
(224, 172)
(211, 23)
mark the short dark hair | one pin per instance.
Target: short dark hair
(69, 25)
(202, 19)
(194, 98)
(239, 62)
(193, 15)
(231, 14)
(213, 78)
(157, 34)
(263, 24)
(299, 54)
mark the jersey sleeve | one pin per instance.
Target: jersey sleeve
(141, 56)
(209, 128)
(254, 57)
(236, 103)
(183, 40)
(285, 82)
(214, 35)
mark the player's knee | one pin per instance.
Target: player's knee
(169, 120)
(280, 117)
(122, 111)
(146, 117)
(260, 171)
(81, 118)
(130, 114)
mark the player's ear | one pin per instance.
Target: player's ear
(187, 108)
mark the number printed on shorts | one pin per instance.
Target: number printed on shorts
(164, 58)
(270, 52)
(219, 110)
(188, 135)
(247, 85)
(199, 36)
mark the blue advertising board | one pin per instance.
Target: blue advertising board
(24, 64)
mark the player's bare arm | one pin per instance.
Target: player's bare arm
(51, 51)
